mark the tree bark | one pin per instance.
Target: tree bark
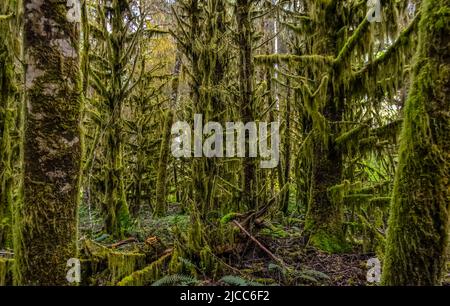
(46, 228)
(246, 75)
(418, 221)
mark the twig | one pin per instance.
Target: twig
(258, 243)
(126, 241)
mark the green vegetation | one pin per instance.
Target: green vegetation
(89, 99)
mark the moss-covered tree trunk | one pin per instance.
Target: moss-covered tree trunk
(245, 41)
(8, 112)
(161, 181)
(418, 222)
(324, 217)
(46, 225)
(286, 169)
(115, 39)
(115, 205)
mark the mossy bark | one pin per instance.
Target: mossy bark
(245, 35)
(8, 113)
(324, 217)
(286, 169)
(161, 190)
(46, 225)
(118, 61)
(115, 206)
(418, 222)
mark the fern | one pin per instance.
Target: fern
(275, 267)
(315, 274)
(176, 279)
(188, 264)
(238, 281)
(306, 274)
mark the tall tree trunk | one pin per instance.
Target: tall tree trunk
(117, 216)
(324, 219)
(287, 153)
(161, 190)
(161, 181)
(418, 222)
(246, 75)
(46, 232)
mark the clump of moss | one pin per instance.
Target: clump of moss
(329, 243)
(274, 232)
(122, 264)
(147, 275)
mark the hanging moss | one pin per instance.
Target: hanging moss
(123, 264)
(304, 60)
(148, 275)
(350, 135)
(102, 262)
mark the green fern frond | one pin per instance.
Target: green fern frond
(238, 281)
(175, 279)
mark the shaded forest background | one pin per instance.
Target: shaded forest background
(90, 90)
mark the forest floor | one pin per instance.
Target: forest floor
(286, 260)
(302, 264)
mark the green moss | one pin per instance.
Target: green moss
(380, 201)
(418, 222)
(6, 271)
(147, 275)
(331, 243)
(123, 264)
(46, 215)
(228, 217)
(9, 114)
(274, 232)
(161, 182)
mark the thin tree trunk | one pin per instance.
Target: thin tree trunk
(287, 153)
(246, 75)
(161, 182)
(161, 190)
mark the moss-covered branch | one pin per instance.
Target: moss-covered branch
(348, 47)
(292, 58)
(402, 40)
